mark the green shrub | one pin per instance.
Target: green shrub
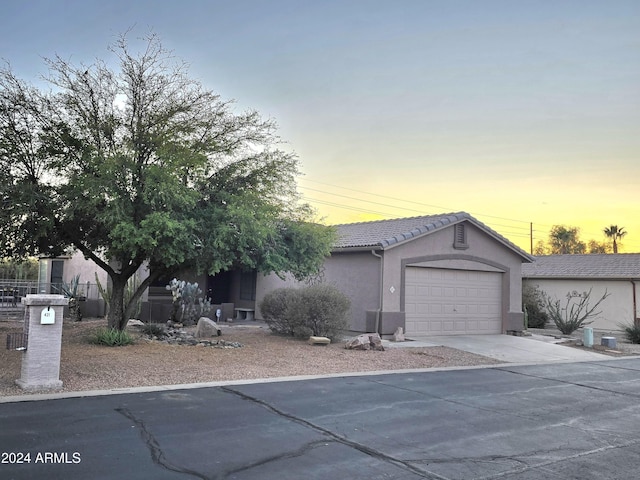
(280, 312)
(533, 301)
(319, 310)
(324, 310)
(111, 337)
(632, 332)
(153, 329)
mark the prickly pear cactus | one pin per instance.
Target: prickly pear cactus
(188, 303)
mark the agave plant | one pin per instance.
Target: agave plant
(73, 292)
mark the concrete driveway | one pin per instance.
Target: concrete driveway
(507, 348)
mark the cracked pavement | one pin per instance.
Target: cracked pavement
(562, 421)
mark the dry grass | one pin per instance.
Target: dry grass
(148, 363)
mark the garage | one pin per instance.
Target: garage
(430, 275)
(452, 302)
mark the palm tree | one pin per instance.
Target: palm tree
(615, 233)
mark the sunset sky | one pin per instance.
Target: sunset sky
(517, 112)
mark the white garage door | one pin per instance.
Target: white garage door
(452, 302)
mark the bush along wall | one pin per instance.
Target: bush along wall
(533, 301)
(319, 310)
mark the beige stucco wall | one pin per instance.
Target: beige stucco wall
(616, 309)
(355, 274)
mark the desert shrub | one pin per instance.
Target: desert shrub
(324, 310)
(313, 310)
(533, 301)
(153, 329)
(280, 312)
(111, 337)
(575, 312)
(632, 332)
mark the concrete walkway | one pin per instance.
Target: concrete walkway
(506, 348)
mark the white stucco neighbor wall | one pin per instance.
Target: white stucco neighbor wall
(616, 309)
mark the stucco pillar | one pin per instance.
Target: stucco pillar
(43, 325)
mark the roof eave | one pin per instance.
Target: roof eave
(363, 248)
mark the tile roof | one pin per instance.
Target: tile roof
(385, 233)
(620, 265)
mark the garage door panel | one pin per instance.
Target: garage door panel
(423, 291)
(445, 302)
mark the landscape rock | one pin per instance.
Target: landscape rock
(361, 342)
(179, 336)
(319, 340)
(366, 341)
(207, 328)
(376, 341)
(135, 323)
(398, 336)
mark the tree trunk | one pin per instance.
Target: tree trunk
(116, 318)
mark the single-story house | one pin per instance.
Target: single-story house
(618, 274)
(431, 275)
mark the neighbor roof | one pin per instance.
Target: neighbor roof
(616, 265)
(386, 233)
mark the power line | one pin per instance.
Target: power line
(403, 200)
(513, 230)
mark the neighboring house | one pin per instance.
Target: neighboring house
(54, 272)
(433, 275)
(617, 274)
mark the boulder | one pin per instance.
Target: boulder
(398, 336)
(366, 341)
(375, 341)
(134, 323)
(207, 328)
(319, 340)
(361, 342)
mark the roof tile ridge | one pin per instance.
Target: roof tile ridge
(416, 217)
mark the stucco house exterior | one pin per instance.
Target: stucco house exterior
(618, 274)
(431, 275)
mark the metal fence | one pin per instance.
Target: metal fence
(13, 291)
(21, 288)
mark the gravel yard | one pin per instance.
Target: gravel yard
(148, 362)
(263, 355)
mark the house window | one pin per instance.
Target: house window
(460, 237)
(248, 285)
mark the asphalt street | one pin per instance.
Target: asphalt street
(561, 421)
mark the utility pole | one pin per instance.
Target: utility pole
(531, 237)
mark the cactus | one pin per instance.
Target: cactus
(188, 303)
